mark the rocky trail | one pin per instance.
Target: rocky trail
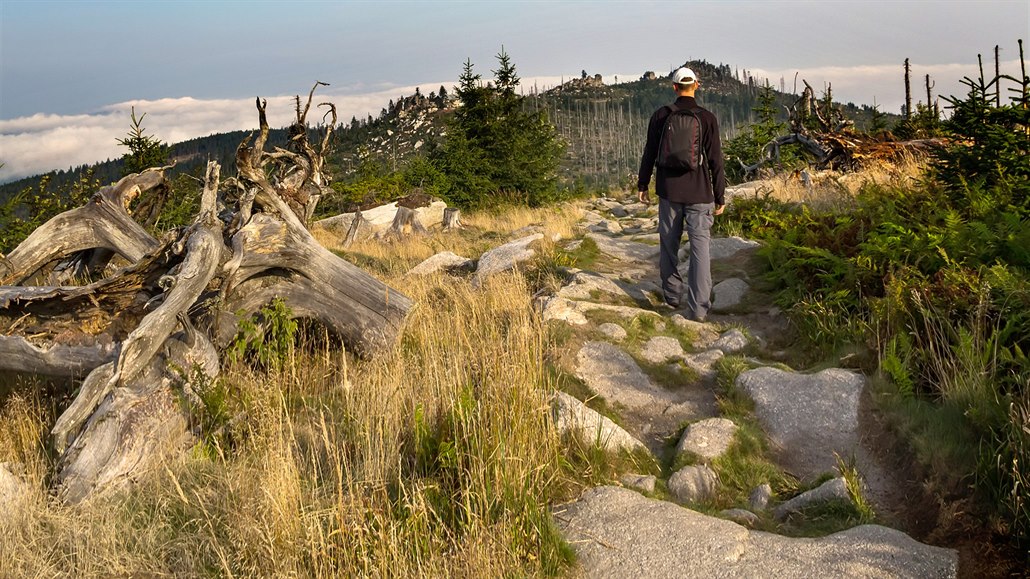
(650, 386)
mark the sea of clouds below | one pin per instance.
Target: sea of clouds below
(44, 142)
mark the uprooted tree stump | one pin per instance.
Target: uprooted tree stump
(832, 143)
(145, 337)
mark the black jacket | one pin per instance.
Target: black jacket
(679, 186)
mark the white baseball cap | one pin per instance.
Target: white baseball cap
(684, 75)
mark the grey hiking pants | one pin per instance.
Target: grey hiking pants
(698, 219)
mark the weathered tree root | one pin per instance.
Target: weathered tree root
(149, 335)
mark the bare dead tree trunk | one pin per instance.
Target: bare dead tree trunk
(929, 97)
(997, 75)
(908, 91)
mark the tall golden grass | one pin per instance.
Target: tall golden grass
(830, 188)
(434, 459)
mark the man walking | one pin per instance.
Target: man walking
(683, 140)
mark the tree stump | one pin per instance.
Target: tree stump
(150, 334)
(451, 218)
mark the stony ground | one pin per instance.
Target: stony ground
(661, 387)
(649, 385)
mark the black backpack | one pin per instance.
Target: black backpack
(680, 145)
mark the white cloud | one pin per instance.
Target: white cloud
(40, 143)
(44, 142)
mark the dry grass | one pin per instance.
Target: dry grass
(830, 188)
(482, 231)
(435, 459)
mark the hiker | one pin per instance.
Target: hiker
(683, 141)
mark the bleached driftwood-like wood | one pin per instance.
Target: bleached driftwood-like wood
(104, 222)
(139, 424)
(374, 221)
(58, 360)
(147, 337)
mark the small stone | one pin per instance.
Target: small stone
(644, 483)
(618, 211)
(731, 342)
(831, 490)
(758, 500)
(613, 331)
(661, 349)
(607, 226)
(704, 363)
(729, 293)
(694, 483)
(708, 439)
(742, 516)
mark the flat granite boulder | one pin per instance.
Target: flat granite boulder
(617, 532)
(624, 249)
(613, 374)
(661, 349)
(585, 285)
(505, 257)
(726, 247)
(808, 417)
(443, 261)
(572, 311)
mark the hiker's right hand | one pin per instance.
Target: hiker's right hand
(643, 197)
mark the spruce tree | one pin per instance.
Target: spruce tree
(144, 151)
(496, 147)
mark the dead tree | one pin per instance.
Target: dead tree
(827, 137)
(908, 91)
(145, 339)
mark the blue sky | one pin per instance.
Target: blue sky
(69, 65)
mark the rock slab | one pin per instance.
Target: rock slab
(572, 415)
(505, 257)
(443, 261)
(617, 532)
(831, 490)
(808, 418)
(613, 374)
(661, 349)
(728, 294)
